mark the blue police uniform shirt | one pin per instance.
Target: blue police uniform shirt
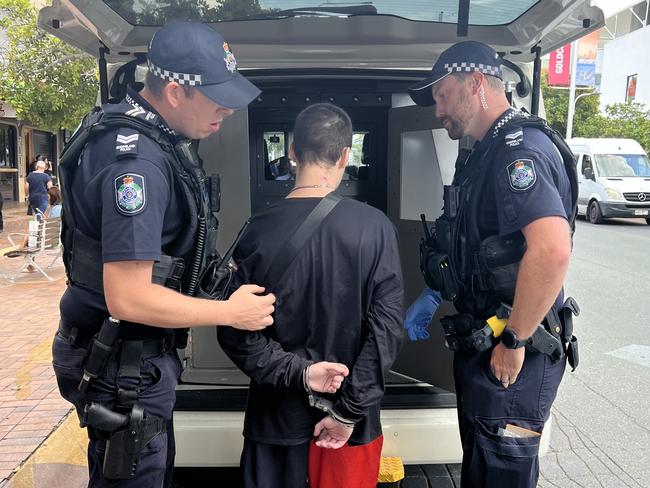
(528, 181)
(125, 196)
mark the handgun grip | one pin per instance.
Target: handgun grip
(99, 417)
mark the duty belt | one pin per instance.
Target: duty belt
(150, 347)
(554, 338)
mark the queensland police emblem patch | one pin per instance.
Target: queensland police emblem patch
(229, 58)
(521, 174)
(129, 193)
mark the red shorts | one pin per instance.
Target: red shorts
(349, 466)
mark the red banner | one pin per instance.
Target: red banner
(559, 67)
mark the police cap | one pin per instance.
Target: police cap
(463, 57)
(194, 54)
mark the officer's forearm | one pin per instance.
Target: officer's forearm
(131, 296)
(541, 273)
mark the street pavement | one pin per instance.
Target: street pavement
(601, 435)
(30, 405)
(601, 430)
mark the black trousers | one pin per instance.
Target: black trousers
(159, 376)
(484, 405)
(274, 466)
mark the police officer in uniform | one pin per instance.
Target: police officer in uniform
(138, 231)
(501, 248)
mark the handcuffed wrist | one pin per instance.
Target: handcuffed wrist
(305, 379)
(341, 420)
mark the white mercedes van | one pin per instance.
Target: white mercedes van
(613, 178)
(361, 56)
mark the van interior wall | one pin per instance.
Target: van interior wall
(239, 155)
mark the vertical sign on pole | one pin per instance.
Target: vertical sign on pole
(559, 66)
(587, 50)
(572, 91)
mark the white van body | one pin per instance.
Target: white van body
(613, 178)
(365, 64)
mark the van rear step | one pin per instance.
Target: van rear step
(208, 398)
(416, 476)
(428, 476)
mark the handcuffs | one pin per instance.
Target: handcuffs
(321, 403)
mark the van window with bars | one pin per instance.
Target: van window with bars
(279, 166)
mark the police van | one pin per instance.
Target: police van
(361, 56)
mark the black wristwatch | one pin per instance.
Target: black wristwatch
(510, 340)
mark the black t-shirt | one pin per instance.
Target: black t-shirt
(124, 195)
(340, 301)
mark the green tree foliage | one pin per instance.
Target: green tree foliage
(624, 120)
(153, 12)
(556, 103)
(46, 81)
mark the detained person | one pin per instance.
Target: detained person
(339, 301)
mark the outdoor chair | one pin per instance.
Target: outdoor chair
(43, 239)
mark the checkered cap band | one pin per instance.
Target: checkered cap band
(486, 69)
(180, 78)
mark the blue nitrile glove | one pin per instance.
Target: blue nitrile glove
(420, 313)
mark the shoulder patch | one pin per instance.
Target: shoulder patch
(521, 174)
(130, 196)
(140, 112)
(515, 138)
(126, 143)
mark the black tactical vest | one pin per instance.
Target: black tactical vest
(457, 260)
(185, 258)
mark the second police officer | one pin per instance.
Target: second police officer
(502, 247)
(139, 230)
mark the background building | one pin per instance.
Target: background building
(20, 143)
(626, 57)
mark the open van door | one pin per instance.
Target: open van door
(421, 160)
(286, 34)
(361, 56)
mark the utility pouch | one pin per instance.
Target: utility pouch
(215, 281)
(442, 235)
(451, 199)
(437, 272)
(572, 354)
(435, 264)
(569, 309)
(86, 261)
(124, 446)
(459, 324)
(180, 338)
(101, 349)
(168, 272)
(500, 256)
